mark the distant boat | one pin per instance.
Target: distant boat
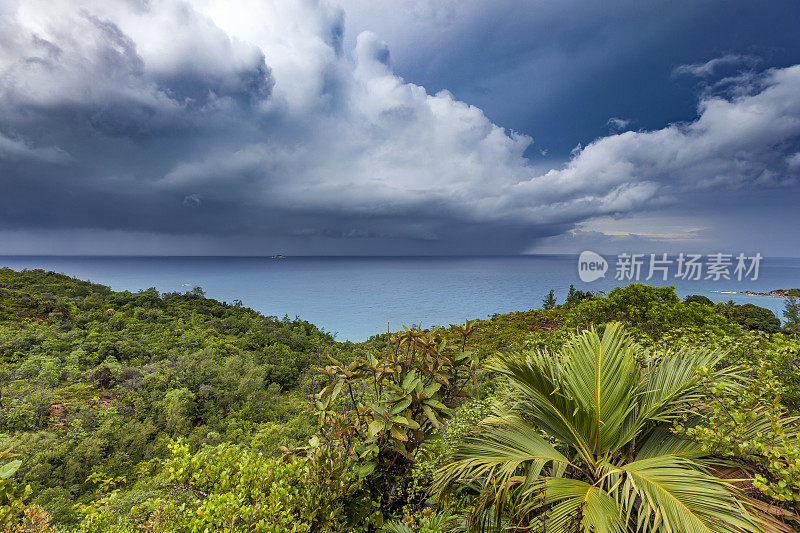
(278, 256)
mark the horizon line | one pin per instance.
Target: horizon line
(354, 256)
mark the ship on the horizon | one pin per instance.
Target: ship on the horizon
(278, 256)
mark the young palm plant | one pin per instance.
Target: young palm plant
(582, 443)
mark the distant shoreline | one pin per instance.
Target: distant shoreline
(777, 293)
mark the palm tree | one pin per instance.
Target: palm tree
(434, 523)
(582, 443)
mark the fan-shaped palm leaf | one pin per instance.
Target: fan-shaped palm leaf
(608, 406)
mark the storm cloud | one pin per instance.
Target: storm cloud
(261, 125)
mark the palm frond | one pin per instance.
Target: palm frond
(669, 494)
(661, 441)
(506, 453)
(536, 379)
(602, 376)
(440, 522)
(583, 395)
(611, 404)
(574, 506)
(673, 381)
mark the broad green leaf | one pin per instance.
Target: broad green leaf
(400, 406)
(398, 434)
(9, 469)
(367, 468)
(409, 380)
(375, 427)
(431, 416)
(432, 389)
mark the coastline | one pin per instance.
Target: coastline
(777, 293)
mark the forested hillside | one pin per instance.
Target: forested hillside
(144, 411)
(98, 383)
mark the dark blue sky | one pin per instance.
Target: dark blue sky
(442, 127)
(615, 59)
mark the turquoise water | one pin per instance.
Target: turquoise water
(355, 297)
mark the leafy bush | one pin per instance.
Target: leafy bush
(237, 490)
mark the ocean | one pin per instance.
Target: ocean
(356, 297)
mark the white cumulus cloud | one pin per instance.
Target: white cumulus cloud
(246, 116)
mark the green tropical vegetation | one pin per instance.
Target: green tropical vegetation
(792, 315)
(630, 410)
(583, 440)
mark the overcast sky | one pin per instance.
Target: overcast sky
(254, 127)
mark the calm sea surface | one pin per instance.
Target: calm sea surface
(355, 297)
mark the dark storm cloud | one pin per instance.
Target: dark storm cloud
(257, 123)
